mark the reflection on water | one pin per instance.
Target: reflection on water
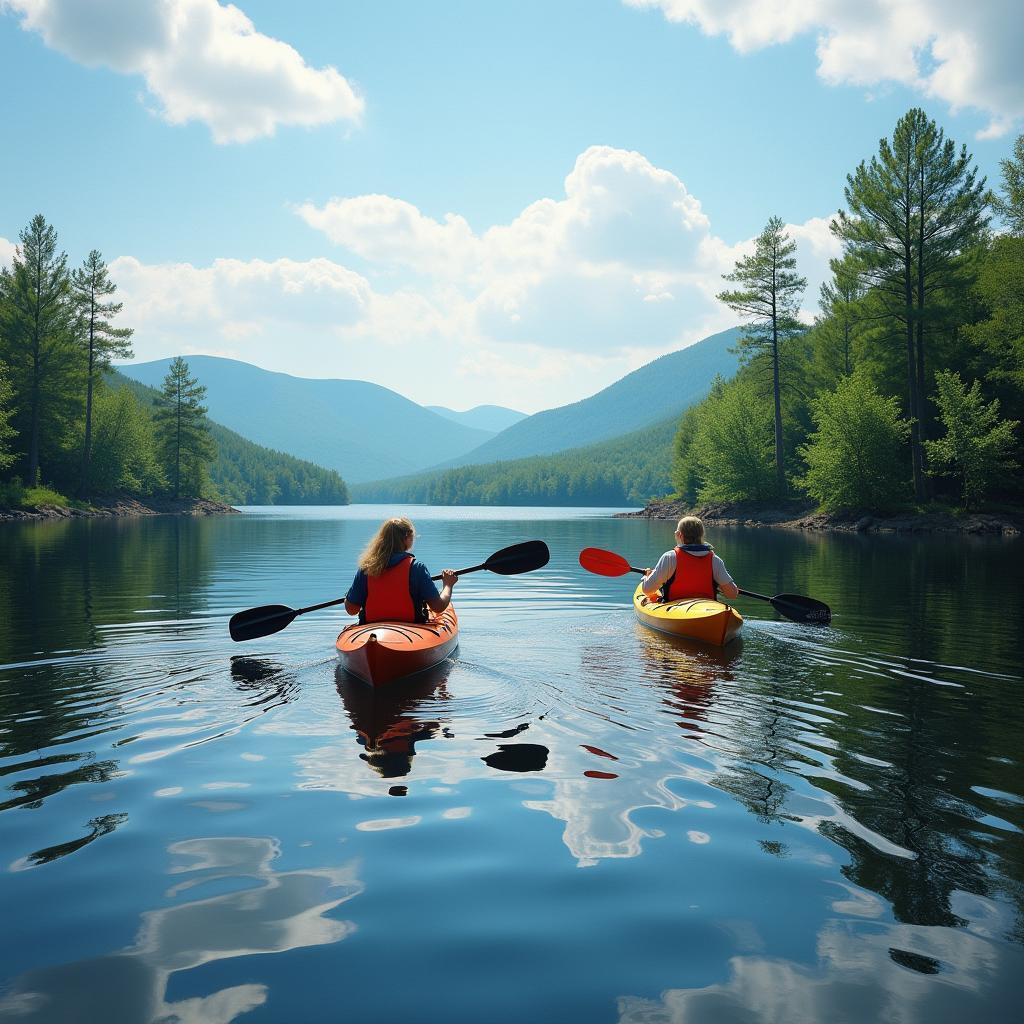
(273, 912)
(807, 825)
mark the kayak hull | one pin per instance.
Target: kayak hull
(382, 652)
(711, 622)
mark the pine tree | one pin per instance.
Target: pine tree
(769, 296)
(183, 435)
(913, 210)
(90, 286)
(36, 335)
(1010, 205)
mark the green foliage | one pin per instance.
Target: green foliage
(1010, 205)
(182, 432)
(14, 494)
(97, 335)
(123, 446)
(625, 471)
(977, 448)
(685, 472)
(37, 343)
(1000, 286)
(732, 446)
(7, 432)
(914, 210)
(769, 298)
(854, 457)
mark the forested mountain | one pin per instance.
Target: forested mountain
(626, 470)
(664, 387)
(245, 473)
(484, 417)
(360, 429)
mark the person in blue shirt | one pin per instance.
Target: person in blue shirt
(390, 584)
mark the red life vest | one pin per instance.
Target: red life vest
(694, 577)
(388, 597)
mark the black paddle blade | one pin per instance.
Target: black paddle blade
(262, 621)
(802, 609)
(525, 557)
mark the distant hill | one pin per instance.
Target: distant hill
(483, 417)
(245, 473)
(624, 471)
(362, 430)
(660, 389)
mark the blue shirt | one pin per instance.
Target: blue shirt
(421, 586)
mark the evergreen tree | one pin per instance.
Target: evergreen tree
(7, 432)
(90, 287)
(912, 211)
(183, 435)
(1010, 205)
(36, 337)
(978, 445)
(853, 457)
(769, 296)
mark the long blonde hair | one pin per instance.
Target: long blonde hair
(387, 541)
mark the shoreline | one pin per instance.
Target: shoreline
(807, 516)
(121, 507)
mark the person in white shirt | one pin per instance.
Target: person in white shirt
(690, 569)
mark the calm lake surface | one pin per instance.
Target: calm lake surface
(574, 820)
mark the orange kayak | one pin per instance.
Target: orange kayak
(381, 652)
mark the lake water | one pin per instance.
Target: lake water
(574, 820)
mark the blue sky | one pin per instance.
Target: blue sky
(494, 203)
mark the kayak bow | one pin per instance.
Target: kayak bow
(381, 652)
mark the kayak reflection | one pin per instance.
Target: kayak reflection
(384, 719)
(689, 671)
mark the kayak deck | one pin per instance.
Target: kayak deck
(712, 622)
(381, 652)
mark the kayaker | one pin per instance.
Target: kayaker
(690, 569)
(390, 584)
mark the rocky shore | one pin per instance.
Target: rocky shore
(122, 506)
(805, 516)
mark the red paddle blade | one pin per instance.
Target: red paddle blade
(603, 563)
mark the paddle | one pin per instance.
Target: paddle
(272, 618)
(793, 606)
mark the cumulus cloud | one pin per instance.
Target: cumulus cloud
(235, 299)
(571, 294)
(967, 55)
(623, 261)
(6, 252)
(201, 61)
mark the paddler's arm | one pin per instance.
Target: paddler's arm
(351, 607)
(449, 577)
(654, 579)
(726, 586)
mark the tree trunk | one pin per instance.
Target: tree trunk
(87, 449)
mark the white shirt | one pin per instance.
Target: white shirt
(666, 567)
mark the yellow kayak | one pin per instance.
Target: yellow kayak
(695, 618)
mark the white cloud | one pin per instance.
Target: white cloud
(570, 295)
(201, 61)
(967, 55)
(6, 252)
(235, 299)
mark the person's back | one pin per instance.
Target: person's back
(690, 570)
(390, 584)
